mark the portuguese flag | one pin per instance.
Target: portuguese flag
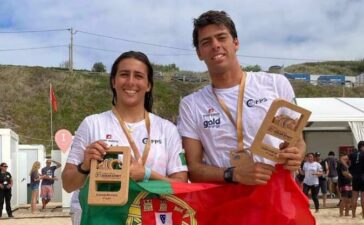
(158, 202)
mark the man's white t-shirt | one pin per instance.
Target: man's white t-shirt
(310, 168)
(165, 155)
(202, 118)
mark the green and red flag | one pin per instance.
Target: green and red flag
(158, 202)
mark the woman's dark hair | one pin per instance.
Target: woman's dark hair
(148, 100)
(213, 17)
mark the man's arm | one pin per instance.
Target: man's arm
(197, 170)
(57, 164)
(250, 174)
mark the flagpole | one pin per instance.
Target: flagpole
(50, 104)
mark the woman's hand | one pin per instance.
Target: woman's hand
(137, 170)
(95, 150)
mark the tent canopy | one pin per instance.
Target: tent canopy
(350, 110)
(334, 109)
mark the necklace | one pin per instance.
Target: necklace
(130, 127)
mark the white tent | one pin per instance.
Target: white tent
(334, 122)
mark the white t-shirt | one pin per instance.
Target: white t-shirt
(75, 203)
(309, 169)
(202, 118)
(164, 155)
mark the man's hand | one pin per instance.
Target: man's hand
(253, 173)
(292, 157)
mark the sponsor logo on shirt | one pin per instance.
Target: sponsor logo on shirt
(211, 119)
(110, 142)
(152, 141)
(253, 102)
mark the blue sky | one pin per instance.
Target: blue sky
(270, 32)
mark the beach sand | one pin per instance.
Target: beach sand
(328, 216)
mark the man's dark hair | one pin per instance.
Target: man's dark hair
(219, 18)
(148, 101)
(332, 153)
(360, 145)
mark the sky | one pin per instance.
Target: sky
(280, 32)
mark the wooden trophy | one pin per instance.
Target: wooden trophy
(110, 171)
(281, 127)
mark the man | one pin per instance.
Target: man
(357, 171)
(209, 134)
(6, 183)
(322, 178)
(47, 182)
(332, 176)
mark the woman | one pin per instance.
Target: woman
(344, 182)
(6, 183)
(130, 120)
(312, 170)
(35, 178)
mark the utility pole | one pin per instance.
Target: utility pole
(70, 60)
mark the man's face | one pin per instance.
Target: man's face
(48, 163)
(216, 47)
(317, 157)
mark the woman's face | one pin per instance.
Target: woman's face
(310, 158)
(131, 83)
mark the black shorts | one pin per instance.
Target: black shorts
(323, 185)
(346, 194)
(358, 182)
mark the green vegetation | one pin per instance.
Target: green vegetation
(348, 68)
(98, 67)
(25, 108)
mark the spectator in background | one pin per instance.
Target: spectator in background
(344, 181)
(6, 183)
(312, 171)
(35, 178)
(323, 177)
(48, 181)
(357, 171)
(332, 175)
(300, 174)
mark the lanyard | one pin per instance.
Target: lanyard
(130, 138)
(239, 123)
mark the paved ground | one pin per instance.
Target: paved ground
(55, 215)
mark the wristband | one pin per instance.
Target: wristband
(147, 173)
(80, 170)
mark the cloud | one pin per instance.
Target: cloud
(281, 29)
